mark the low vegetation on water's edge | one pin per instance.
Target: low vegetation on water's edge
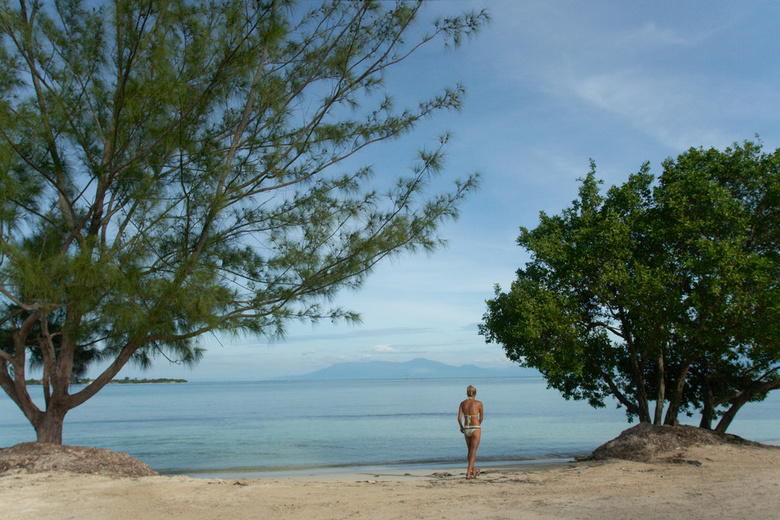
(125, 381)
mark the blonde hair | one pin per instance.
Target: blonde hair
(471, 391)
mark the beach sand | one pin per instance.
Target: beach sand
(704, 482)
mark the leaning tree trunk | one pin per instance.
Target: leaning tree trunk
(675, 400)
(743, 398)
(631, 406)
(725, 420)
(48, 423)
(708, 406)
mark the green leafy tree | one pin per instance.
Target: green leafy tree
(655, 292)
(175, 168)
(720, 215)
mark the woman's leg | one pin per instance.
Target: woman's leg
(469, 468)
(473, 445)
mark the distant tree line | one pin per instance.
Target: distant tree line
(125, 381)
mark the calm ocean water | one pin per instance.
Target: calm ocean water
(285, 425)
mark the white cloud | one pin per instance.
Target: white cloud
(385, 349)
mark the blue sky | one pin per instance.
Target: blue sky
(550, 85)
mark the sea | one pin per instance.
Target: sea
(255, 429)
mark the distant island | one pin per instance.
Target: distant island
(125, 381)
(419, 368)
(128, 381)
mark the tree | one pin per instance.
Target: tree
(176, 168)
(664, 292)
(720, 212)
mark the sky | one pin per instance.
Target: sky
(550, 86)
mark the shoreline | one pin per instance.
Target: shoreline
(699, 483)
(382, 467)
(395, 469)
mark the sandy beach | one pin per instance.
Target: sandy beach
(704, 482)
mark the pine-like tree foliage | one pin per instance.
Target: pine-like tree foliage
(175, 168)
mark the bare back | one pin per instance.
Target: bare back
(473, 409)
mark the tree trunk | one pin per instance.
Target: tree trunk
(661, 398)
(725, 421)
(638, 369)
(630, 406)
(49, 425)
(676, 398)
(644, 407)
(708, 408)
(745, 397)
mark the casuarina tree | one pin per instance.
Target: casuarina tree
(176, 168)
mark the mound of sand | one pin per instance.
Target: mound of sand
(33, 457)
(649, 443)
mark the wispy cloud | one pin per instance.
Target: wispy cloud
(357, 334)
(679, 111)
(650, 34)
(384, 349)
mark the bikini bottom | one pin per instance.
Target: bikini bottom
(469, 430)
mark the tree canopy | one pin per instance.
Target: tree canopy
(658, 291)
(175, 168)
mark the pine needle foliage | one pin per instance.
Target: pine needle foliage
(175, 168)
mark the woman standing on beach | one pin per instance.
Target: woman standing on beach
(471, 410)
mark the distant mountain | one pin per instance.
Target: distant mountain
(415, 369)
